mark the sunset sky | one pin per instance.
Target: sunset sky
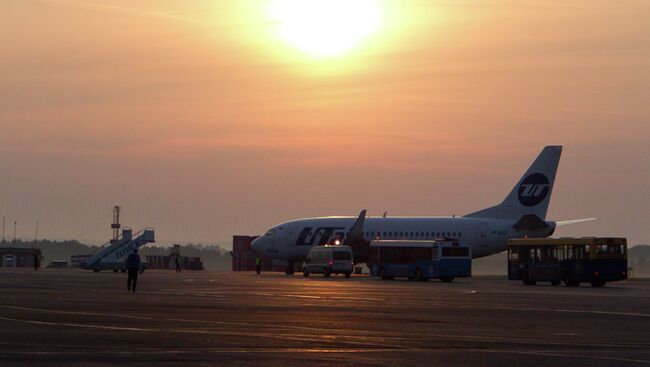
(206, 119)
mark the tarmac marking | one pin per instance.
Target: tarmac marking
(563, 355)
(607, 313)
(75, 312)
(296, 337)
(220, 350)
(239, 350)
(174, 319)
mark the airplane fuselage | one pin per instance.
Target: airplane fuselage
(292, 240)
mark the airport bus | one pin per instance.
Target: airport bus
(421, 260)
(569, 260)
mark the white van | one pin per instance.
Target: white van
(328, 260)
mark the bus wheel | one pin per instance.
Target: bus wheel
(529, 281)
(289, 269)
(447, 279)
(597, 283)
(305, 273)
(382, 274)
(347, 275)
(327, 273)
(555, 282)
(418, 275)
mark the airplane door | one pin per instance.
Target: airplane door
(481, 235)
(290, 236)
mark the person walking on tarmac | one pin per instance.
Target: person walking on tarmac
(178, 263)
(133, 267)
(258, 264)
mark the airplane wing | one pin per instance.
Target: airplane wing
(356, 232)
(573, 221)
(354, 239)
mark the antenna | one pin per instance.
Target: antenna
(3, 229)
(116, 224)
(15, 223)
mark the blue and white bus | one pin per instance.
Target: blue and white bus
(421, 260)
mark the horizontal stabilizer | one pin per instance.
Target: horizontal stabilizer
(531, 222)
(573, 221)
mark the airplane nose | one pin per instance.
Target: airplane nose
(258, 245)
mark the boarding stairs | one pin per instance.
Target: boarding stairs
(113, 254)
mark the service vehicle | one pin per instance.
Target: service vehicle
(570, 260)
(421, 260)
(328, 260)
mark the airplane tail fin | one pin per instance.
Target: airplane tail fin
(532, 194)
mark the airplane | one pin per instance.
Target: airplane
(521, 214)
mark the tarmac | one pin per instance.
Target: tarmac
(74, 317)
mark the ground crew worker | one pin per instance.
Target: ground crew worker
(36, 262)
(178, 264)
(133, 266)
(258, 264)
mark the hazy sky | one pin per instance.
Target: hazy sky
(201, 121)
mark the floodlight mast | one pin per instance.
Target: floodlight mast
(115, 226)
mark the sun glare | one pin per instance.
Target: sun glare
(325, 28)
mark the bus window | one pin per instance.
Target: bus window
(615, 249)
(513, 254)
(609, 251)
(578, 252)
(455, 251)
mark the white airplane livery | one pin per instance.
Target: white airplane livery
(521, 214)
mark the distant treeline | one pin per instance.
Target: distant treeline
(213, 257)
(217, 258)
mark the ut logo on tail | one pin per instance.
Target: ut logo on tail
(533, 189)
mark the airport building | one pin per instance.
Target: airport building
(12, 257)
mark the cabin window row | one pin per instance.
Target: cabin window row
(372, 234)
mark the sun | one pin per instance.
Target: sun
(325, 28)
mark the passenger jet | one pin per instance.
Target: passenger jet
(521, 214)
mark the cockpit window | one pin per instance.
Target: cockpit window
(270, 232)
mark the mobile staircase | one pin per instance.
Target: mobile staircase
(112, 255)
